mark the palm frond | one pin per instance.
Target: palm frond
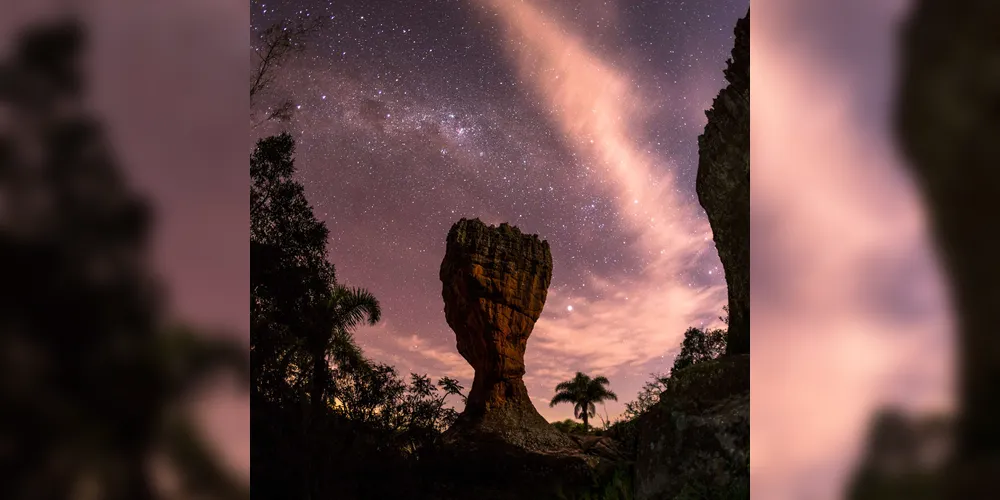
(564, 386)
(345, 351)
(562, 397)
(351, 306)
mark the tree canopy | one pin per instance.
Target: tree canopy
(584, 393)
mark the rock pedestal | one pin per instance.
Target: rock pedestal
(495, 280)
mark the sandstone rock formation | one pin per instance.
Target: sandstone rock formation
(723, 184)
(495, 280)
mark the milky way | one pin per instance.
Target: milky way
(577, 121)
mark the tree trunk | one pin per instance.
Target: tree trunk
(318, 384)
(585, 421)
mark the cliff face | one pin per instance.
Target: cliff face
(723, 184)
(695, 443)
(495, 280)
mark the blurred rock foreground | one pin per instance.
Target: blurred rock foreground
(947, 125)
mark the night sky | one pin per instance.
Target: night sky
(577, 121)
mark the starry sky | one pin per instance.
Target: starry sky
(577, 121)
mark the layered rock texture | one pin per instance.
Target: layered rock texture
(495, 280)
(723, 184)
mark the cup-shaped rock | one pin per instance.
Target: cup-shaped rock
(495, 280)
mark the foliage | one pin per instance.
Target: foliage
(699, 346)
(647, 397)
(320, 408)
(583, 392)
(290, 277)
(614, 483)
(451, 386)
(273, 49)
(569, 426)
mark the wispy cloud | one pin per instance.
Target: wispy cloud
(601, 115)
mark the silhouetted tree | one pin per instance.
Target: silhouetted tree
(451, 386)
(323, 415)
(345, 310)
(698, 346)
(583, 392)
(290, 276)
(647, 397)
(95, 379)
(273, 48)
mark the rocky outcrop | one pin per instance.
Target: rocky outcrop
(723, 184)
(495, 280)
(696, 441)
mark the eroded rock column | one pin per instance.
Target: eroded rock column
(495, 280)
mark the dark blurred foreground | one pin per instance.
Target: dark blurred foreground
(94, 381)
(948, 126)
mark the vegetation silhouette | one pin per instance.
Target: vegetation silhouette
(326, 421)
(584, 393)
(95, 376)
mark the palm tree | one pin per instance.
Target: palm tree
(584, 392)
(346, 309)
